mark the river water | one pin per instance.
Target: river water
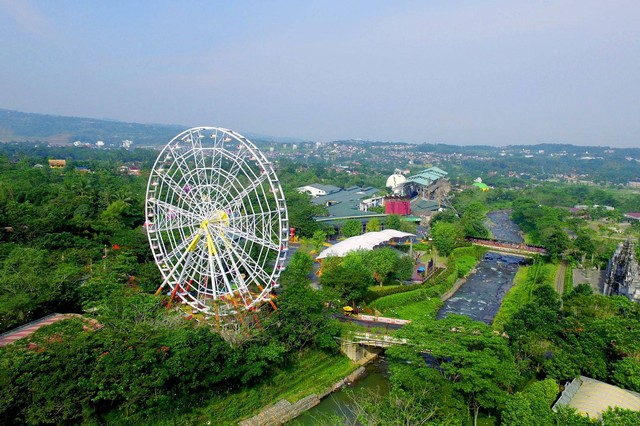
(479, 298)
(336, 408)
(502, 227)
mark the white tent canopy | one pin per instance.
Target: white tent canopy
(362, 242)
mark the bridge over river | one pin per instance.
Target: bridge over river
(508, 246)
(481, 295)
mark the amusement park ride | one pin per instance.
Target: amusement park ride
(217, 224)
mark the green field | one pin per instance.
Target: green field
(526, 280)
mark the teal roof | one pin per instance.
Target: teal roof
(345, 202)
(419, 205)
(428, 176)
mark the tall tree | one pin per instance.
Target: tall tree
(392, 221)
(373, 225)
(445, 237)
(477, 364)
(351, 228)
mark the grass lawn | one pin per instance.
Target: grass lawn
(412, 305)
(523, 285)
(516, 297)
(313, 373)
(424, 310)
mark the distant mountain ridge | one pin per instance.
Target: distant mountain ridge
(16, 126)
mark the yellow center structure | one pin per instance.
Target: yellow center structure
(218, 217)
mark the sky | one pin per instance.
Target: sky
(494, 72)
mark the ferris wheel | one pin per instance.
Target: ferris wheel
(217, 221)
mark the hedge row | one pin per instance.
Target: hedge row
(400, 299)
(377, 292)
(461, 262)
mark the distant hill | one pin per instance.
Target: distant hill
(18, 126)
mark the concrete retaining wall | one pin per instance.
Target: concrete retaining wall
(456, 287)
(283, 411)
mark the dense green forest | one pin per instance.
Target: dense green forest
(73, 240)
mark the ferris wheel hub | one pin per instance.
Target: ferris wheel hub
(218, 217)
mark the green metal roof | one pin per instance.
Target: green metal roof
(345, 203)
(428, 176)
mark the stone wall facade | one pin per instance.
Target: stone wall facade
(623, 273)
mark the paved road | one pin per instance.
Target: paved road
(560, 274)
(31, 327)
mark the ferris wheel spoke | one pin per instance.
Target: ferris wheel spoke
(183, 166)
(249, 263)
(264, 222)
(181, 247)
(214, 258)
(218, 155)
(240, 282)
(253, 238)
(240, 197)
(198, 159)
(229, 178)
(183, 193)
(236, 167)
(170, 212)
(266, 218)
(232, 250)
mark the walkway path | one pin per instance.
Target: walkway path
(507, 247)
(560, 275)
(30, 328)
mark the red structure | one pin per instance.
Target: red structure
(401, 206)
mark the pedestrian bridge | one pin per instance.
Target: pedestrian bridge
(359, 345)
(378, 340)
(508, 246)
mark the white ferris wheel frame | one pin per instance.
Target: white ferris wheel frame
(217, 221)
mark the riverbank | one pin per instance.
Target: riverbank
(311, 374)
(284, 411)
(481, 295)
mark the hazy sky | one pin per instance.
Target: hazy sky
(459, 72)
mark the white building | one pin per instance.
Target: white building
(317, 190)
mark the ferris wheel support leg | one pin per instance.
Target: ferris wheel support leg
(159, 290)
(235, 304)
(173, 295)
(215, 307)
(273, 305)
(257, 321)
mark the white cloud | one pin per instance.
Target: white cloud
(24, 15)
